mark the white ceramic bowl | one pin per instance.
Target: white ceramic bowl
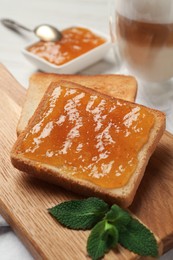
(74, 65)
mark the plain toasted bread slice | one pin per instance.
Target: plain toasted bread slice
(119, 86)
(61, 174)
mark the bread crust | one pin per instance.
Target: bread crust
(122, 196)
(119, 86)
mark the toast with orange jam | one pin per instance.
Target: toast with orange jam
(88, 142)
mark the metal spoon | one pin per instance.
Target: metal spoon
(44, 31)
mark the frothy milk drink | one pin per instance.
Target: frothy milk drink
(145, 37)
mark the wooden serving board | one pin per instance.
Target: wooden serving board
(24, 200)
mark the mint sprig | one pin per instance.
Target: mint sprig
(80, 214)
(110, 226)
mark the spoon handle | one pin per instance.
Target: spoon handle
(14, 25)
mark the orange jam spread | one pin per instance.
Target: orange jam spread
(75, 42)
(88, 136)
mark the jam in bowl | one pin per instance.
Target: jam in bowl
(79, 47)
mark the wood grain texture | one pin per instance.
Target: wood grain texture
(24, 200)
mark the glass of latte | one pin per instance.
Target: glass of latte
(143, 32)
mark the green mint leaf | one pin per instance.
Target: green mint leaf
(118, 216)
(103, 237)
(137, 238)
(80, 214)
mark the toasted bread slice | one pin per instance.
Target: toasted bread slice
(123, 87)
(88, 142)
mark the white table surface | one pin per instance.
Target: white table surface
(92, 13)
